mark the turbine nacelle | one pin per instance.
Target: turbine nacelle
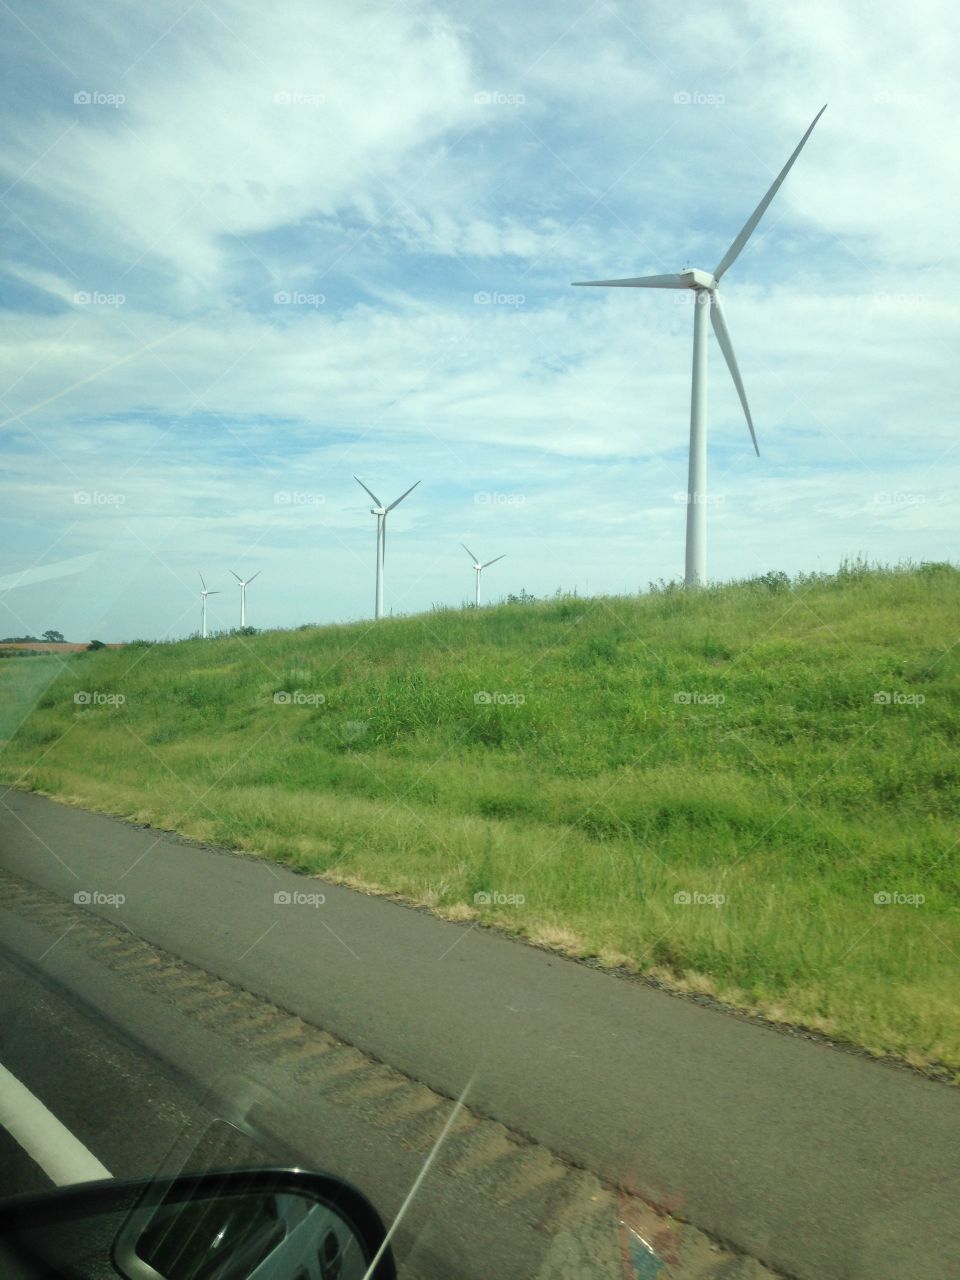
(695, 279)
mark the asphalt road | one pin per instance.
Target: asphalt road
(155, 1067)
(118, 1102)
(818, 1163)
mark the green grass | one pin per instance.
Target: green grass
(591, 785)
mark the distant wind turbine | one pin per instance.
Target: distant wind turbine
(478, 568)
(244, 583)
(704, 285)
(203, 609)
(380, 511)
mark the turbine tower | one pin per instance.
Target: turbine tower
(704, 284)
(244, 583)
(478, 568)
(380, 511)
(203, 607)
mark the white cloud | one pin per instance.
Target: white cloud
(382, 185)
(248, 120)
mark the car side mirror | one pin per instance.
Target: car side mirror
(236, 1224)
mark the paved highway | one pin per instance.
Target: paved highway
(151, 1067)
(815, 1162)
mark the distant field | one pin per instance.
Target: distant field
(45, 646)
(750, 791)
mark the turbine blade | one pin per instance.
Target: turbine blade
(238, 578)
(469, 553)
(640, 282)
(494, 561)
(370, 491)
(402, 496)
(730, 257)
(256, 575)
(726, 346)
(202, 583)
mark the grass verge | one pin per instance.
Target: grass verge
(749, 792)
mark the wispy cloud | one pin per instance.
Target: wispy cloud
(353, 229)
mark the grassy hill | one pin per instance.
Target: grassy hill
(716, 789)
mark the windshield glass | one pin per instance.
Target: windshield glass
(478, 626)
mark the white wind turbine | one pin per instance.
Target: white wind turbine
(478, 568)
(704, 284)
(203, 609)
(380, 511)
(244, 583)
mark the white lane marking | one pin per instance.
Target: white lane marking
(50, 1144)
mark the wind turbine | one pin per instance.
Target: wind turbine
(203, 612)
(380, 511)
(478, 568)
(704, 284)
(244, 583)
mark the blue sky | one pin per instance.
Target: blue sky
(247, 251)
